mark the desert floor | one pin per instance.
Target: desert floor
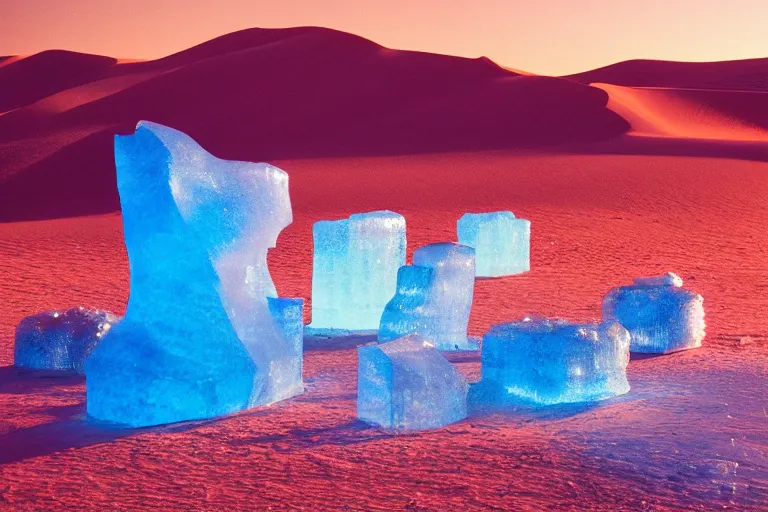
(692, 434)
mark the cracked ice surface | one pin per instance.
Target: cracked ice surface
(434, 297)
(502, 242)
(659, 314)
(553, 361)
(60, 340)
(407, 384)
(354, 269)
(203, 334)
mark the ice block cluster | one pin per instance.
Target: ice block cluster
(502, 242)
(354, 269)
(659, 314)
(60, 340)
(203, 334)
(407, 384)
(552, 361)
(433, 297)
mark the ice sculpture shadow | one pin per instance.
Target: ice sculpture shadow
(204, 333)
(479, 404)
(351, 433)
(71, 427)
(332, 343)
(21, 381)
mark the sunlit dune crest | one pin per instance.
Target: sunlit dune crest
(690, 113)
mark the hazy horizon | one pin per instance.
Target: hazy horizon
(554, 37)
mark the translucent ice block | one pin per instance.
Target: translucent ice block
(553, 361)
(354, 269)
(433, 298)
(60, 340)
(502, 242)
(203, 334)
(659, 314)
(407, 384)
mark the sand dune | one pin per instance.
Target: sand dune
(286, 93)
(29, 79)
(691, 113)
(741, 75)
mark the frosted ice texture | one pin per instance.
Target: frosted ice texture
(354, 270)
(553, 361)
(60, 340)
(502, 242)
(434, 297)
(203, 334)
(659, 314)
(407, 384)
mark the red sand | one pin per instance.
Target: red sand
(598, 220)
(691, 435)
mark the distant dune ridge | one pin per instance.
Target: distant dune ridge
(266, 94)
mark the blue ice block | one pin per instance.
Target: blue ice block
(659, 314)
(354, 270)
(552, 361)
(433, 298)
(203, 334)
(60, 340)
(407, 384)
(502, 242)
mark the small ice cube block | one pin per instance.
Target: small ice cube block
(354, 269)
(60, 340)
(553, 361)
(406, 384)
(434, 297)
(502, 242)
(660, 315)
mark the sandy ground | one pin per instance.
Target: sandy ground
(691, 435)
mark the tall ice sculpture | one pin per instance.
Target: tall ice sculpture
(354, 270)
(204, 333)
(502, 242)
(433, 297)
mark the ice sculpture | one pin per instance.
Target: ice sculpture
(659, 314)
(354, 270)
(553, 361)
(407, 384)
(203, 334)
(433, 297)
(60, 340)
(502, 242)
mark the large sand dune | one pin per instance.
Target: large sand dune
(267, 94)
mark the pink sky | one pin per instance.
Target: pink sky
(542, 36)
